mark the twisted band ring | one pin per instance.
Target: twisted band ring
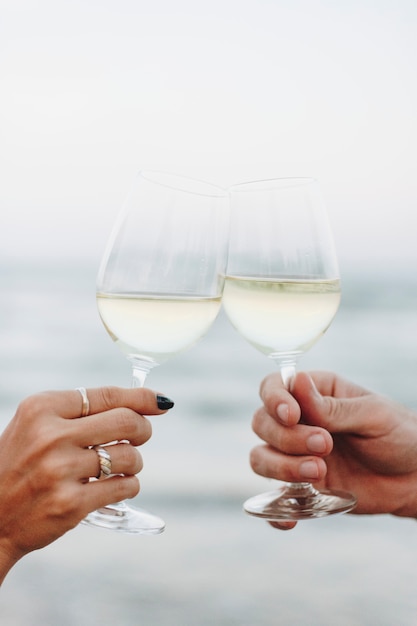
(85, 408)
(105, 461)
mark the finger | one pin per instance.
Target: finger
(83, 464)
(334, 414)
(142, 400)
(99, 493)
(117, 424)
(331, 384)
(125, 459)
(283, 525)
(69, 404)
(296, 440)
(268, 462)
(278, 401)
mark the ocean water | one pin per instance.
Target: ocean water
(214, 565)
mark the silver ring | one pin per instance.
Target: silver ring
(105, 461)
(85, 409)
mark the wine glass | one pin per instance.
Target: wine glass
(159, 287)
(281, 293)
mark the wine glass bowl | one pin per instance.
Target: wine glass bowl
(281, 294)
(159, 286)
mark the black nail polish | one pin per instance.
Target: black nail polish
(164, 403)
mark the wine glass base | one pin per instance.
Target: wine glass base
(298, 502)
(125, 519)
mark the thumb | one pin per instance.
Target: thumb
(336, 415)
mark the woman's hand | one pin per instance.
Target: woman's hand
(46, 462)
(335, 434)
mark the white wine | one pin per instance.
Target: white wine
(155, 328)
(280, 317)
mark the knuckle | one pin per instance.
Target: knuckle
(268, 384)
(282, 439)
(138, 461)
(268, 429)
(265, 462)
(48, 483)
(130, 459)
(270, 393)
(124, 487)
(125, 422)
(51, 471)
(31, 407)
(268, 397)
(51, 438)
(63, 504)
(42, 454)
(256, 460)
(292, 473)
(132, 426)
(109, 397)
(133, 486)
(257, 421)
(143, 430)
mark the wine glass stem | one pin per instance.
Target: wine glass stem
(138, 377)
(139, 374)
(140, 370)
(288, 371)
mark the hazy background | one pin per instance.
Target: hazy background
(91, 91)
(226, 90)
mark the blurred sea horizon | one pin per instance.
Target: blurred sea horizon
(213, 564)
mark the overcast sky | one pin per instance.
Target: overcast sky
(224, 90)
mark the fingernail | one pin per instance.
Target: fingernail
(283, 413)
(164, 403)
(309, 470)
(316, 443)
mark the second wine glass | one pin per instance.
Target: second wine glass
(159, 287)
(282, 291)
